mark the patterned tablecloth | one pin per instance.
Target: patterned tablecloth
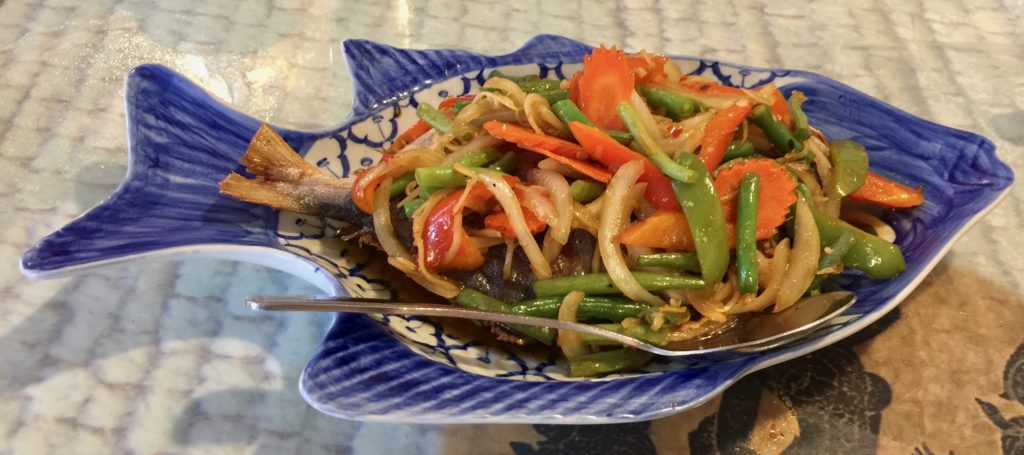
(162, 358)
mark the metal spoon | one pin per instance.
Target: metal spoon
(753, 332)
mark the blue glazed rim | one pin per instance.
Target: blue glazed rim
(182, 141)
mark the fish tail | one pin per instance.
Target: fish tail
(285, 181)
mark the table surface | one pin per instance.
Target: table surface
(163, 358)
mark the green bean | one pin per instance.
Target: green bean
(608, 362)
(876, 257)
(506, 164)
(837, 250)
(398, 186)
(435, 177)
(531, 83)
(800, 127)
(539, 85)
(639, 331)
(568, 112)
(650, 148)
(435, 118)
(746, 233)
(439, 177)
(683, 261)
(554, 96)
(411, 206)
(849, 166)
(459, 105)
(738, 149)
(585, 190)
(601, 283)
(480, 158)
(676, 106)
(472, 298)
(603, 308)
(703, 209)
(780, 136)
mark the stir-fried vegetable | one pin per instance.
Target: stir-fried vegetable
(746, 233)
(615, 198)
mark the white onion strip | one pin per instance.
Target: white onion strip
(510, 205)
(538, 115)
(558, 189)
(382, 226)
(419, 272)
(570, 341)
(613, 219)
(778, 272)
(646, 117)
(804, 263)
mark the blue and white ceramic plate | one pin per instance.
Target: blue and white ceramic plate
(183, 141)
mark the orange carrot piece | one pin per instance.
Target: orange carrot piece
(664, 229)
(530, 140)
(499, 221)
(606, 81)
(649, 69)
(605, 150)
(720, 131)
(887, 193)
(777, 192)
(779, 106)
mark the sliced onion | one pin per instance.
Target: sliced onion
(382, 226)
(403, 162)
(430, 282)
(703, 300)
(536, 199)
(646, 117)
(558, 189)
(509, 88)
(501, 116)
(693, 132)
(672, 71)
(864, 219)
(551, 247)
(617, 209)
(479, 142)
(804, 263)
(571, 342)
(419, 272)
(457, 221)
(482, 243)
(542, 119)
(780, 263)
(549, 164)
(506, 268)
(510, 205)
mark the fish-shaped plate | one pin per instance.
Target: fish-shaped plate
(182, 142)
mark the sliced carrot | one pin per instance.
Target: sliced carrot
(450, 102)
(777, 192)
(530, 140)
(606, 81)
(779, 106)
(719, 132)
(499, 221)
(583, 167)
(887, 193)
(605, 150)
(664, 229)
(709, 88)
(648, 68)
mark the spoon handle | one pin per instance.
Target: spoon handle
(377, 306)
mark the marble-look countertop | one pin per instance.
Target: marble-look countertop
(163, 358)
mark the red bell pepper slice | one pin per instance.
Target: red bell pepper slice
(887, 193)
(719, 132)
